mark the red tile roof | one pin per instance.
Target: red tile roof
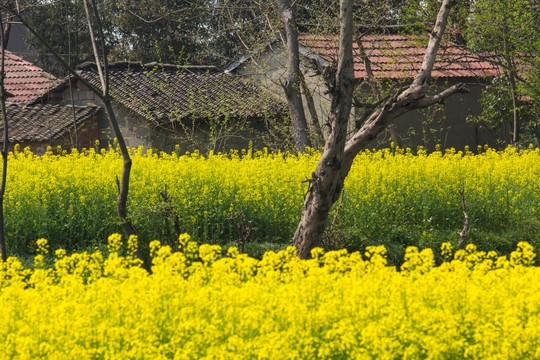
(24, 81)
(400, 57)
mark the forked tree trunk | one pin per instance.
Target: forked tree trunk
(292, 83)
(326, 182)
(337, 158)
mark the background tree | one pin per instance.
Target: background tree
(506, 33)
(169, 31)
(161, 30)
(65, 17)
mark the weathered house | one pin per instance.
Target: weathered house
(393, 60)
(41, 125)
(165, 106)
(36, 125)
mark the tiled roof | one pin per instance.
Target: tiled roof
(41, 122)
(24, 81)
(400, 57)
(162, 93)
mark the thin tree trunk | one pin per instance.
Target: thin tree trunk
(374, 85)
(292, 84)
(123, 186)
(75, 130)
(317, 135)
(515, 137)
(3, 42)
(336, 161)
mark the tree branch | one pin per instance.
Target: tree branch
(421, 82)
(465, 231)
(440, 97)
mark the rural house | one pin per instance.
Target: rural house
(394, 60)
(41, 125)
(164, 106)
(36, 125)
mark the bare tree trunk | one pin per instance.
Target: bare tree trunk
(292, 84)
(75, 144)
(317, 136)
(123, 185)
(103, 94)
(375, 86)
(3, 42)
(515, 137)
(336, 161)
(326, 182)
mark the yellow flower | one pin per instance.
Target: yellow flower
(42, 246)
(114, 242)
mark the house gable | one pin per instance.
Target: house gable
(395, 60)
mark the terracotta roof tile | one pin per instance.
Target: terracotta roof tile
(41, 122)
(25, 81)
(155, 91)
(400, 57)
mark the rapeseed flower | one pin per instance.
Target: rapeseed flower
(337, 305)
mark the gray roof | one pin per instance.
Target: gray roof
(42, 122)
(163, 93)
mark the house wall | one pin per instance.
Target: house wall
(445, 126)
(201, 137)
(269, 70)
(133, 127)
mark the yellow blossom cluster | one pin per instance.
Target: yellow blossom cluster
(201, 304)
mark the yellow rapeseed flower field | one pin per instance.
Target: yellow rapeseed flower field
(198, 304)
(391, 197)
